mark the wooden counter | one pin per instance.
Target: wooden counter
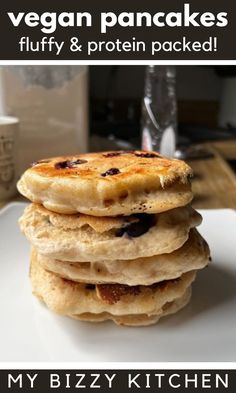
(214, 183)
(227, 149)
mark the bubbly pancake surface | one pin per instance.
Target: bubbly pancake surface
(75, 238)
(108, 183)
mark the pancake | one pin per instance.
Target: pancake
(74, 238)
(193, 255)
(108, 184)
(139, 319)
(70, 298)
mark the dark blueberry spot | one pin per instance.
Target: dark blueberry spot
(118, 153)
(112, 154)
(90, 286)
(147, 155)
(111, 172)
(136, 229)
(69, 164)
(79, 162)
(62, 165)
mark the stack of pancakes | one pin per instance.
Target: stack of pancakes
(113, 235)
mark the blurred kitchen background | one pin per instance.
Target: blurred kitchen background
(206, 101)
(71, 109)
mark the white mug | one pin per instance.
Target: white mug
(8, 156)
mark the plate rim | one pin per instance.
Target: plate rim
(10, 205)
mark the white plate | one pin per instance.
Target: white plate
(204, 331)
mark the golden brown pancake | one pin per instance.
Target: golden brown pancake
(74, 299)
(108, 183)
(139, 319)
(193, 255)
(75, 238)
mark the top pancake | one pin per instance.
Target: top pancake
(108, 183)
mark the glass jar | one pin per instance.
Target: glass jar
(159, 110)
(51, 103)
